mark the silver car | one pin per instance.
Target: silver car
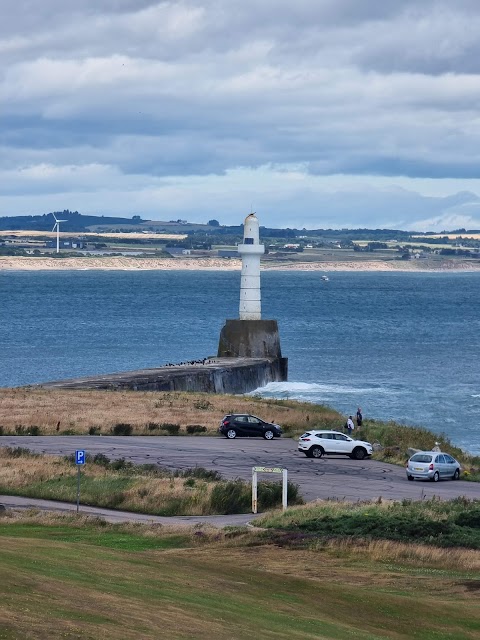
(432, 465)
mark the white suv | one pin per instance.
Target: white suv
(315, 444)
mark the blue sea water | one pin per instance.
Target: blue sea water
(403, 346)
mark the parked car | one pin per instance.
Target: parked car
(432, 465)
(243, 424)
(315, 444)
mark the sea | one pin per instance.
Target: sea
(402, 346)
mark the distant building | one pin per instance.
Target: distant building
(178, 252)
(228, 253)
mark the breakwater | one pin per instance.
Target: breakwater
(216, 375)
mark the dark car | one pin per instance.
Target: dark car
(243, 424)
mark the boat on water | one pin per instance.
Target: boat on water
(325, 278)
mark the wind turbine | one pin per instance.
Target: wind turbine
(56, 227)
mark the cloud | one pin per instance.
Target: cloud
(139, 95)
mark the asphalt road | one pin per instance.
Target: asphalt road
(331, 477)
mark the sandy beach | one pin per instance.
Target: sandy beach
(123, 263)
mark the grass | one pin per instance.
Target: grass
(64, 577)
(454, 523)
(139, 488)
(53, 411)
(31, 411)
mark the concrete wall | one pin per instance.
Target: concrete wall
(217, 375)
(250, 339)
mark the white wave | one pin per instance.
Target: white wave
(306, 389)
(475, 395)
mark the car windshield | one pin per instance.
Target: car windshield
(305, 435)
(421, 457)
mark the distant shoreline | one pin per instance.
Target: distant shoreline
(123, 263)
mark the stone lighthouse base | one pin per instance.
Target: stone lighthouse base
(253, 339)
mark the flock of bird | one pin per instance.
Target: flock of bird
(189, 362)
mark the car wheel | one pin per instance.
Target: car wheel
(436, 477)
(456, 475)
(359, 453)
(268, 434)
(411, 478)
(231, 434)
(308, 453)
(316, 452)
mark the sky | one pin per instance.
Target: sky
(313, 113)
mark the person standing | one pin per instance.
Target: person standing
(359, 417)
(350, 426)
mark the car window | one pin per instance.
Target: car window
(440, 459)
(449, 459)
(339, 436)
(324, 436)
(241, 418)
(421, 457)
(253, 420)
(305, 435)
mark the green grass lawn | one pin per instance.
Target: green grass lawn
(67, 578)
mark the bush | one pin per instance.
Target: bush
(101, 459)
(122, 429)
(20, 452)
(203, 405)
(200, 473)
(172, 429)
(1, 430)
(233, 496)
(270, 494)
(94, 431)
(121, 464)
(20, 430)
(195, 428)
(152, 426)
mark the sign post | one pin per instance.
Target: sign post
(255, 471)
(80, 460)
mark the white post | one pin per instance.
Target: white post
(254, 490)
(58, 238)
(256, 470)
(284, 489)
(250, 251)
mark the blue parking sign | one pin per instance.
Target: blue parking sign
(80, 456)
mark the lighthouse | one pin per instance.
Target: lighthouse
(250, 336)
(250, 251)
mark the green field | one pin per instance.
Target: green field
(68, 578)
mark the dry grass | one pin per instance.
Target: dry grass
(63, 577)
(54, 411)
(141, 493)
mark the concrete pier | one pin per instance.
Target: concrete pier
(217, 375)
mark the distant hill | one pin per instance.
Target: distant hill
(74, 222)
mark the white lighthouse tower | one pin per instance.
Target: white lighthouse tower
(250, 251)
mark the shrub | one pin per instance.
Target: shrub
(20, 430)
(469, 519)
(195, 428)
(203, 405)
(233, 496)
(1, 430)
(121, 464)
(94, 431)
(20, 452)
(200, 473)
(152, 426)
(270, 494)
(189, 482)
(101, 459)
(65, 432)
(172, 429)
(122, 429)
